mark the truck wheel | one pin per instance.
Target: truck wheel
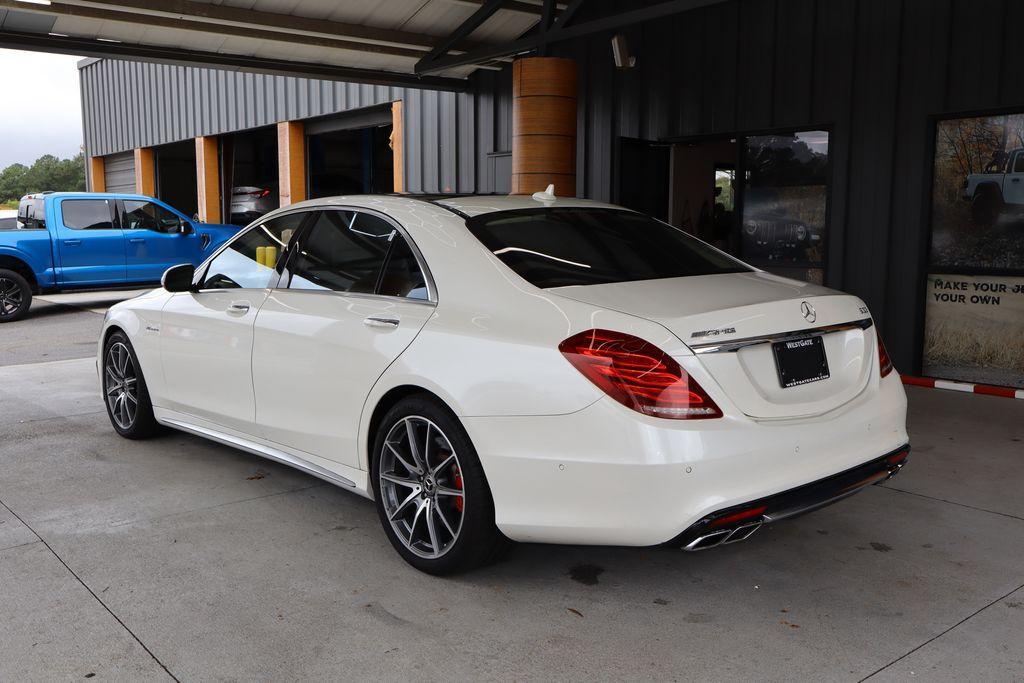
(15, 296)
(985, 207)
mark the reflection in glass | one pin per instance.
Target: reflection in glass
(784, 199)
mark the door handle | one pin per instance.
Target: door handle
(72, 243)
(380, 321)
(241, 307)
(136, 240)
(1014, 180)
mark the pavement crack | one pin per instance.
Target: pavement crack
(951, 502)
(942, 633)
(92, 593)
(20, 545)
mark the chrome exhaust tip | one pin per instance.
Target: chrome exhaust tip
(723, 536)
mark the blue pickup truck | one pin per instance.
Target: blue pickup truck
(75, 240)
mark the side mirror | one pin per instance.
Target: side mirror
(185, 228)
(178, 278)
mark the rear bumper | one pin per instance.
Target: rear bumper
(606, 475)
(739, 522)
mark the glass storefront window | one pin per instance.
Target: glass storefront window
(784, 203)
(974, 309)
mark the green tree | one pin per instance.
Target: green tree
(46, 173)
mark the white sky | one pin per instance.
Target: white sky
(41, 111)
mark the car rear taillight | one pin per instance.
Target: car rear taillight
(638, 375)
(884, 362)
(261, 193)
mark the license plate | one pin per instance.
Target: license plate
(800, 361)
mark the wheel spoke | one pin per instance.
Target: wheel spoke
(403, 505)
(415, 521)
(444, 520)
(401, 481)
(409, 468)
(414, 447)
(445, 491)
(431, 529)
(447, 461)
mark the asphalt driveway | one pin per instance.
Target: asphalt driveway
(179, 558)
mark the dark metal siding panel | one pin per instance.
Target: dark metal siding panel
(923, 64)
(756, 60)
(976, 57)
(875, 84)
(134, 104)
(793, 63)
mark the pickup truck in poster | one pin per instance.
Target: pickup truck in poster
(997, 191)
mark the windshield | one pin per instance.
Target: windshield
(583, 246)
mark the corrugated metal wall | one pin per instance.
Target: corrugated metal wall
(135, 104)
(873, 72)
(119, 172)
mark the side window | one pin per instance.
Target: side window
(141, 215)
(248, 262)
(402, 274)
(87, 214)
(8, 223)
(343, 252)
(1018, 163)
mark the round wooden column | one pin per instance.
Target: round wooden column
(544, 125)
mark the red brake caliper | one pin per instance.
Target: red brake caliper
(458, 484)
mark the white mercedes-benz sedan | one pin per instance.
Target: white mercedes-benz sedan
(489, 369)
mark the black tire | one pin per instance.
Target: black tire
(142, 424)
(15, 296)
(986, 207)
(478, 541)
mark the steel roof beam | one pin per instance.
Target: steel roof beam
(38, 42)
(561, 32)
(214, 16)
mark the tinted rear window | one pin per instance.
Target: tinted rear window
(580, 246)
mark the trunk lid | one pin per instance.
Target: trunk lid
(709, 313)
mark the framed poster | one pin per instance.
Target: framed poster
(974, 310)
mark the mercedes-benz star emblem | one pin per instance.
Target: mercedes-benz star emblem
(807, 310)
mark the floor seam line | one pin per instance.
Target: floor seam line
(952, 502)
(939, 635)
(92, 593)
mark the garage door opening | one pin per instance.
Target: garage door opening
(176, 176)
(250, 174)
(351, 154)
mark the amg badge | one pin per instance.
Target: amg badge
(713, 333)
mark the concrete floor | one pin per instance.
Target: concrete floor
(178, 558)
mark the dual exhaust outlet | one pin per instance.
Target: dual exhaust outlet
(723, 536)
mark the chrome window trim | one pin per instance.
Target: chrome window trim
(737, 344)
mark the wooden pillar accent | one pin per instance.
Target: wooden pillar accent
(97, 175)
(145, 171)
(291, 161)
(544, 125)
(208, 179)
(398, 145)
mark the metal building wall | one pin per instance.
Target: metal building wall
(136, 104)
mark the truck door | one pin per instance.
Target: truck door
(1013, 181)
(156, 238)
(89, 245)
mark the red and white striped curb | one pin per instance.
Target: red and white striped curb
(966, 387)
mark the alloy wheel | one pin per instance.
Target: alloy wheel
(421, 487)
(10, 297)
(122, 385)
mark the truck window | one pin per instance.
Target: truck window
(1018, 163)
(87, 214)
(141, 215)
